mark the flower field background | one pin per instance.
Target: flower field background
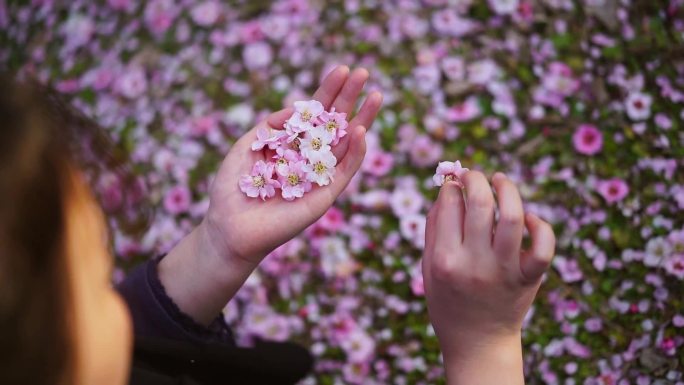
(578, 101)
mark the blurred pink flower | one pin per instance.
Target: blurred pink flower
(206, 13)
(568, 269)
(406, 201)
(638, 106)
(132, 83)
(613, 190)
(358, 345)
(332, 220)
(257, 55)
(674, 265)
(177, 199)
(425, 152)
(412, 228)
(504, 7)
(378, 163)
(587, 139)
(466, 111)
(159, 15)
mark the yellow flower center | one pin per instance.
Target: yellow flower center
(449, 177)
(281, 161)
(293, 179)
(319, 168)
(331, 125)
(306, 115)
(258, 181)
(316, 144)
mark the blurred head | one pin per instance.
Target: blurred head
(61, 322)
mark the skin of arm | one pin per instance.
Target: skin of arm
(479, 282)
(207, 267)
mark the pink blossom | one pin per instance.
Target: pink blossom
(257, 55)
(304, 117)
(638, 106)
(406, 201)
(483, 72)
(425, 152)
(322, 167)
(316, 141)
(412, 228)
(206, 13)
(335, 123)
(267, 137)
(335, 259)
(132, 83)
(447, 171)
(587, 139)
(454, 68)
(378, 163)
(355, 372)
(503, 7)
(177, 199)
(674, 265)
(332, 220)
(203, 125)
(284, 155)
(568, 269)
(122, 5)
(159, 15)
(260, 182)
(358, 345)
(613, 190)
(293, 180)
(466, 111)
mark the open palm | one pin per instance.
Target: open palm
(249, 228)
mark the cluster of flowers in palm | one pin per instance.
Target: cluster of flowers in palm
(298, 155)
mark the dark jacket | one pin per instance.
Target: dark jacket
(171, 348)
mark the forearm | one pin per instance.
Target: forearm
(486, 363)
(199, 279)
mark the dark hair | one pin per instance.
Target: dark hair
(42, 141)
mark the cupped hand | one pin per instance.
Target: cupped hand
(247, 228)
(479, 282)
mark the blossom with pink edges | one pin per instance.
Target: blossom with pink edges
(260, 182)
(447, 171)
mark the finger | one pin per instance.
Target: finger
(509, 228)
(330, 86)
(535, 261)
(365, 117)
(450, 217)
(346, 99)
(277, 119)
(321, 198)
(479, 216)
(431, 229)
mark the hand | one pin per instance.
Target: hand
(479, 283)
(249, 228)
(205, 270)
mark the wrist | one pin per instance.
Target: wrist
(484, 360)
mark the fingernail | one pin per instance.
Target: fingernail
(498, 175)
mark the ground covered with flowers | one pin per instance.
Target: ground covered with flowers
(578, 101)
